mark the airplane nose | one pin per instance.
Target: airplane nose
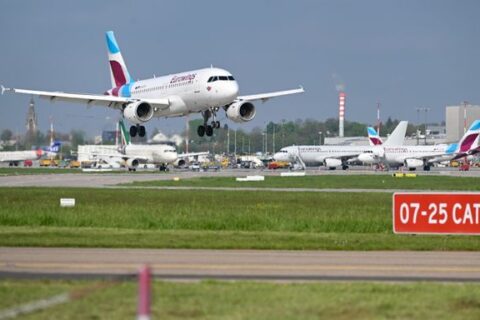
(278, 157)
(233, 91)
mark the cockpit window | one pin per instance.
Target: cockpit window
(221, 78)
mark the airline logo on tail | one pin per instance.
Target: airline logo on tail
(469, 143)
(374, 137)
(54, 147)
(121, 79)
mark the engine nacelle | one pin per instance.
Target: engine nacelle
(332, 163)
(413, 163)
(179, 162)
(368, 158)
(131, 163)
(138, 112)
(241, 111)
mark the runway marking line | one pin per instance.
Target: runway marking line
(251, 267)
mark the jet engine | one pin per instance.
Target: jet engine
(241, 111)
(413, 163)
(333, 163)
(368, 158)
(132, 163)
(179, 162)
(138, 112)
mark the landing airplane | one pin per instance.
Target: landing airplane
(15, 157)
(335, 156)
(204, 91)
(413, 157)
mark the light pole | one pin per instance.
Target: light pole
(235, 148)
(273, 139)
(426, 109)
(320, 138)
(228, 141)
(263, 142)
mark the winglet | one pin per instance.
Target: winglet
(4, 89)
(301, 88)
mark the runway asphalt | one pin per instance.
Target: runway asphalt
(99, 180)
(267, 265)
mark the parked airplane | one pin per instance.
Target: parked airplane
(202, 91)
(15, 157)
(334, 156)
(413, 157)
(131, 155)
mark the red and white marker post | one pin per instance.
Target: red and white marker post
(144, 293)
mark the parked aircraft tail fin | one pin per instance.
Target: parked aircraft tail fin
(374, 137)
(54, 147)
(118, 69)
(397, 137)
(125, 134)
(470, 141)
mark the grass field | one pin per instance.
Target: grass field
(421, 182)
(16, 171)
(250, 300)
(208, 219)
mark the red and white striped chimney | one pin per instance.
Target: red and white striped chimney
(341, 112)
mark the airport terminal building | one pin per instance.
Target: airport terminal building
(459, 118)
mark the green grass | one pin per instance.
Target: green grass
(16, 171)
(208, 219)
(421, 182)
(250, 300)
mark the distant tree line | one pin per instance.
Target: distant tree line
(286, 133)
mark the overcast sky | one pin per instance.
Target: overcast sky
(405, 54)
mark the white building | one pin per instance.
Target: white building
(459, 118)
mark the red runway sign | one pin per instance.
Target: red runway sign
(436, 213)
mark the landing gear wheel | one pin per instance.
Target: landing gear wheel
(426, 168)
(344, 167)
(217, 124)
(133, 131)
(209, 131)
(214, 124)
(141, 131)
(201, 131)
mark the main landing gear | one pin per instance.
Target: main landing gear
(137, 129)
(207, 129)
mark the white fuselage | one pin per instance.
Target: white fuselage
(187, 92)
(17, 156)
(156, 154)
(316, 155)
(398, 155)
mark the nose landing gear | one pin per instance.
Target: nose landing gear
(205, 128)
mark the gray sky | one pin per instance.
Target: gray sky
(405, 54)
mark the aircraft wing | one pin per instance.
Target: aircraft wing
(116, 155)
(265, 96)
(340, 156)
(89, 99)
(185, 155)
